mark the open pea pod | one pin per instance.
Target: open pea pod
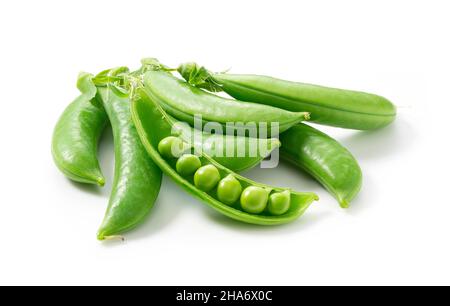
(154, 125)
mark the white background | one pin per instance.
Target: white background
(395, 233)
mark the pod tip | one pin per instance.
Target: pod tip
(102, 237)
(344, 203)
(101, 181)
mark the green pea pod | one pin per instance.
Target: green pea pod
(137, 179)
(151, 123)
(76, 135)
(238, 153)
(329, 106)
(184, 102)
(325, 159)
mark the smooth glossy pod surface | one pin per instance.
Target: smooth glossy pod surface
(76, 135)
(137, 179)
(325, 159)
(151, 123)
(329, 106)
(184, 101)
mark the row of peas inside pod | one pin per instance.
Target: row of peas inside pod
(228, 189)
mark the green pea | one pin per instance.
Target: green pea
(188, 164)
(254, 199)
(279, 203)
(206, 177)
(229, 190)
(171, 147)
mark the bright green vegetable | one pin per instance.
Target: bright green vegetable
(137, 179)
(170, 147)
(325, 159)
(206, 178)
(254, 199)
(237, 153)
(279, 203)
(329, 106)
(150, 120)
(188, 164)
(229, 190)
(74, 147)
(149, 141)
(184, 102)
(76, 135)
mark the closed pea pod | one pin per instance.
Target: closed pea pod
(148, 116)
(184, 102)
(325, 159)
(137, 179)
(329, 106)
(76, 135)
(237, 153)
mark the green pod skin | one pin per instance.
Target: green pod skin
(150, 120)
(137, 179)
(324, 159)
(76, 135)
(184, 101)
(220, 144)
(329, 106)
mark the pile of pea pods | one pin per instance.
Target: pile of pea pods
(152, 112)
